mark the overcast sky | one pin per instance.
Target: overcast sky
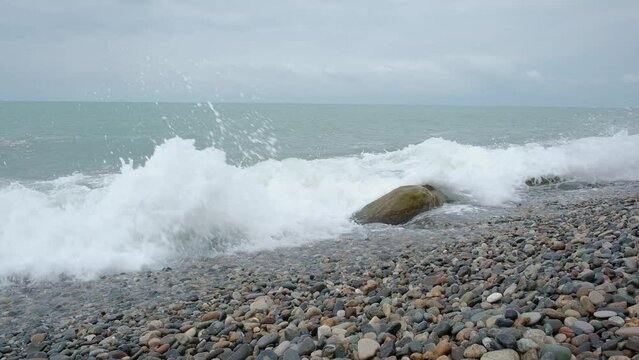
(418, 52)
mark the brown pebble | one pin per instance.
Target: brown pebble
(618, 305)
(163, 348)
(474, 351)
(582, 291)
(554, 314)
(213, 315)
(567, 331)
(351, 311)
(38, 338)
(154, 342)
(443, 348)
(587, 304)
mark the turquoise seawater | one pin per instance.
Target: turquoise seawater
(45, 140)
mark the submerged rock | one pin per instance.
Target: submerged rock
(400, 205)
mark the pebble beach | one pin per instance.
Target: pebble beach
(557, 280)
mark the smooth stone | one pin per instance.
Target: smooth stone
(324, 331)
(507, 340)
(38, 338)
(415, 347)
(506, 354)
(190, 332)
(536, 335)
(474, 351)
(504, 323)
(242, 352)
(559, 352)
(306, 347)
(267, 340)
(282, 347)
(494, 297)
(267, 354)
(312, 312)
(490, 344)
(261, 303)
(367, 348)
(604, 314)
(511, 314)
(624, 298)
(290, 354)
(400, 205)
(533, 316)
(443, 348)
(387, 349)
(443, 328)
(525, 345)
(584, 326)
(617, 320)
(144, 339)
(484, 315)
(628, 331)
(213, 315)
(580, 339)
(596, 298)
(632, 343)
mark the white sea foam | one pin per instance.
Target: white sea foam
(185, 200)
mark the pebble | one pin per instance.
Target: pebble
(267, 340)
(536, 335)
(306, 347)
(559, 352)
(628, 331)
(267, 355)
(367, 348)
(443, 348)
(261, 303)
(474, 351)
(506, 354)
(494, 297)
(596, 298)
(241, 353)
(524, 345)
(290, 354)
(604, 314)
(533, 317)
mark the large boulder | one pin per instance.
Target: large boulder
(400, 205)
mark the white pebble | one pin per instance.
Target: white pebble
(494, 297)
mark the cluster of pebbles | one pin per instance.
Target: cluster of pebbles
(561, 284)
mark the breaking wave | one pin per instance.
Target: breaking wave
(186, 200)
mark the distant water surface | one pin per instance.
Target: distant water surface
(44, 140)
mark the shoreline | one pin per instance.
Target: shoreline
(508, 286)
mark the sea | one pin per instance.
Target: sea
(89, 188)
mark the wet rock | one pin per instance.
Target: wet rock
(400, 205)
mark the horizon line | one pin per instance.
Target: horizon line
(321, 103)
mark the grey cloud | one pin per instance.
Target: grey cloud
(543, 52)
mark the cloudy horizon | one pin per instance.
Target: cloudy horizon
(573, 53)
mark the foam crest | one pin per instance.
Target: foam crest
(184, 201)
